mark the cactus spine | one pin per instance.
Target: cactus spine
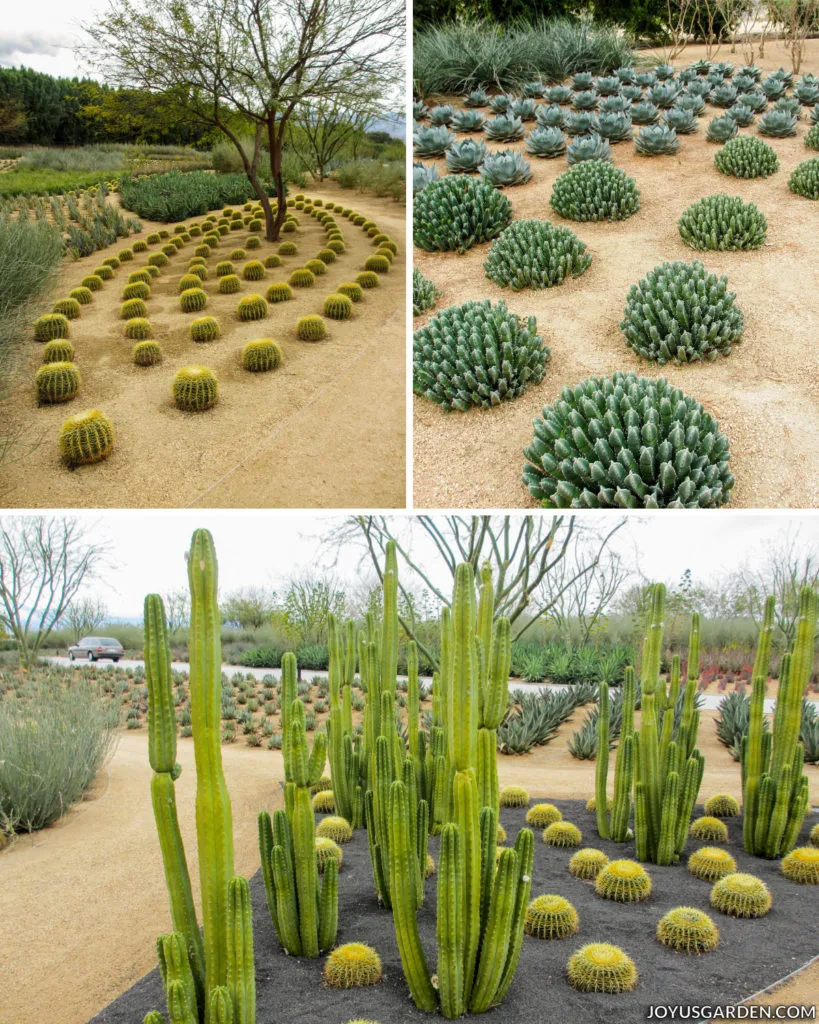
(775, 789)
(304, 913)
(208, 978)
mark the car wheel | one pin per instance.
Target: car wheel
(70, 655)
(90, 655)
(115, 660)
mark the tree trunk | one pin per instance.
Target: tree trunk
(274, 141)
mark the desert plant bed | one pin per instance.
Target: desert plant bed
(749, 379)
(163, 342)
(750, 955)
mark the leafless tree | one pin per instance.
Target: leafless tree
(241, 62)
(177, 609)
(797, 19)
(85, 615)
(44, 562)
(679, 26)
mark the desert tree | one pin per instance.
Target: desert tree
(85, 615)
(248, 607)
(796, 19)
(44, 563)
(307, 604)
(177, 609)
(236, 63)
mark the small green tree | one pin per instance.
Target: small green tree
(248, 607)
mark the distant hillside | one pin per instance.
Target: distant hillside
(395, 124)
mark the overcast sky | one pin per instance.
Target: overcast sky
(256, 548)
(43, 35)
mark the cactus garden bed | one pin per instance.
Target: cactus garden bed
(751, 954)
(761, 387)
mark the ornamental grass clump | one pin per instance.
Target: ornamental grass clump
(681, 313)
(477, 354)
(627, 442)
(723, 223)
(594, 191)
(455, 213)
(536, 254)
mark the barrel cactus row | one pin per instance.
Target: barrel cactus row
(723, 223)
(593, 191)
(477, 354)
(536, 254)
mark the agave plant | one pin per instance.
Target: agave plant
(774, 88)
(503, 128)
(616, 127)
(814, 115)
(579, 122)
(467, 121)
(533, 90)
(548, 142)
(505, 169)
(476, 98)
(441, 115)
(807, 92)
(557, 94)
(645, 79)
(608, 85)
(583, 80)
(755, 100)
(721, 129)
(724, 68)
(724, 95)
(614, 105)
(690, 101)
(644, 112)
(656, 140)
(777, 124)
(663, 94)
(751, 70)
(588, 147)
(419, 110)
(501, 103)
(466, 156)
(741, 114)
(786, 77)
(790, 105)
(701, 67)
(684, 122)
(626, 75)
(632, 93)
(432, 141)
(422, 176)
(523, 108)
(744, 83)
(686, 75)
(699, 87)
(663, 72)
(585, 100)
(550, 116)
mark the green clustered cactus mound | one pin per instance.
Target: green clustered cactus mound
(195, 388)
(56, 382)
(352, 965)
(279, 291)
(456, 212)
(252, 307)
(137, 329)
(722, 805)
(253, 271)
(624, 881)
(367, 279)
(147, 353)
(69, 308)
(681, 313)
(543, 815)
(338, 306)
(352, 290)
(801, 865)
(51, 326)
(327, 850)
(688, 930)
(104, 273)
(535, 254)
(587, 863)
(336, 828)
(550, 917)
(804, 181)
(311, 328)
(710, 863)
(324, 802)
(514, 796)
(746, 157)
(477, 354)
(601, 967)
(83, 295)
(627, 442)
(723, 223)
(302, 278)
(204, 328)
(261, 356)
(86, 437)
(378, 264)
(60, 350)
(709, 829)
(741, 895)
(595, 190)
(562, 833)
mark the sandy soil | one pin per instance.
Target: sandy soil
(68, 890)
(306, 435)
(765, 395)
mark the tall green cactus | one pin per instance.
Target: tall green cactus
(495, 660)
(304, 912)
(343, 748)
(203, 974)
(774, 786)
(480, 912)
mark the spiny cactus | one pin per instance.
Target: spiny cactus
(311, 328)
(229, 284)
(594, 191)
(315, 267)
(279, 291)
(535, 254)
(802, 865)
(550, 917)
(336, 828)
(60, 350)
(367, 279)
(261, 356)
(352, 965)
(675, 468)
(722, 805)
(93, 282)
(547, 142)
(432, 141)
(423, 293)
(709, 830)
(378, 264)
(68, 308)
(804, 181)
(133, 308)
(147, 353)
(252, 307)
(83, 295)
(324, 803)
(198, 270)
(253, 242)
(813, 837)
(562, 833)
(455, 213)
(465, 157)
(741, 895)
(746, 157)
(253, 271)
(477, 354)
(192, 300)
(688, 930)
(302, 278)
(56, 382)
(137, 329)
(543, 815)
(588, 147)
(104, 273)
(86, 437)
(513, 796)
(601, 967)
(812, 136)
(51, 326)
(327, 850)
(724, 223)
(195, 388)
(338, 307)
(505, 168)
(352, 290)
(587, 863)
(326, 255)
(159, 259)
(624, 881)
(711, 863)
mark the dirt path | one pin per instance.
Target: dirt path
(81, 904)
(309, 434)
(765, 395)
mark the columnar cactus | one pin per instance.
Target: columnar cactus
(344, 748)
(775, 788)
(423, 293)
(208, 977)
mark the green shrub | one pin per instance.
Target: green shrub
(56, 382)
(177, 196)
(86, 437)
(311, 328)
(535, 254)
(804, 181)
(252, 307)
(477, 354)
(593, 191)
(195, 388)
(455, 213)
(261, 356)
(682, 313)
(147, 353)
(204, 329)
(580, 457)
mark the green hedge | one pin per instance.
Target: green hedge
(178, 195)
(47, 182)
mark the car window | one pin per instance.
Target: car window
(89, 641)
(107, 641)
